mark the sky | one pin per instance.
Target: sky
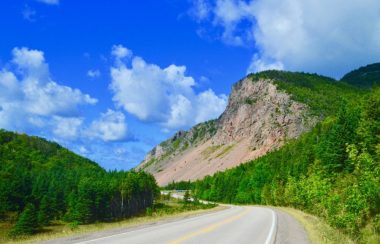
(111, 79)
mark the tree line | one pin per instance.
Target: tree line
(42, 182)
(332, 171)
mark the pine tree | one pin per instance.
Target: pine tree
(44, 213)
(186, 197)
(27, 223)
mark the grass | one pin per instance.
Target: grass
(209, 151)
(225, 151)
(317, 229)
(164, 210)
(220, 149)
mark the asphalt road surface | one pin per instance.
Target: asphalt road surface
(236, 224)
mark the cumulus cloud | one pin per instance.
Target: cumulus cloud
(119, 52)
(93, 73)
(200, 10)
(67, 128)
(110, 126)
(209, 104)
(49, 2)
(30, 101)
(30, 98)
(258, 64)
(315, 36)
(162, 95)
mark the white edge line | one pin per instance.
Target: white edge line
(270, 235)
(163, 224)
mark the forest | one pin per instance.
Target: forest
(332, 171)
(42, 182)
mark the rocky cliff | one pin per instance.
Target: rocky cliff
(259, 118)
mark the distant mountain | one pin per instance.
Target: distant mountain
(364, 77)
(264, 111)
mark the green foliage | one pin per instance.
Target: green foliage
(364, 77)
(225, 150)
(332, 171)
(64, 186)
(322, 94)
(27, 223)
(202, 130)
(73, 225)
(183, 139)
(186, 197)
(206, 153)
(180, 185)
(46, 210)
(249, 101)
(166, 206)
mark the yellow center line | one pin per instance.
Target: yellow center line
(208, 228)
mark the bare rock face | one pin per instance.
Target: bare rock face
(259, 118)
(259, 112)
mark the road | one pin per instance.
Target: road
(236, 224)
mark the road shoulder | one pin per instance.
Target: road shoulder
(289, 230)
(317, 229)
(122, 229)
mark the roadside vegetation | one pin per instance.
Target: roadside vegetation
(332, 172)
(180, 185)
(164, 208)
(43, 184)
(319, 231)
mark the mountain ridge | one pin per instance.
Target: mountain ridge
(364, 77)
(264, 110)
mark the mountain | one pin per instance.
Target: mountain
(332, 171)
(264, 111)
(364, 77)
(42, 182)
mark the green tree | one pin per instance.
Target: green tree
(45, 212)
(186, 197)
(27, 223)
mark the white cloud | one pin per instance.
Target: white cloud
(52, 98)
(31, 63)
(93, 73)
(67, 128)
(215, 105)
(83, 150)
(49, 2)
(110, 126)
(162, 95)
(258, 65)
(31, 99)
(121, 52)
(329, 37)
(200, 10)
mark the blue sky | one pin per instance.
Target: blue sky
(111, 79)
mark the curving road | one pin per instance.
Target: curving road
(235, 224)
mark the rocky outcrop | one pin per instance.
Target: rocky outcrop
(259, 118)
(258, 111)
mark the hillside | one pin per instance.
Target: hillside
(264, 111)
(365, 77)
(42, 182)
(333, 171)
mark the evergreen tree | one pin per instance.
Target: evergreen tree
(27, 222)
(45, 212)
(186, 197)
